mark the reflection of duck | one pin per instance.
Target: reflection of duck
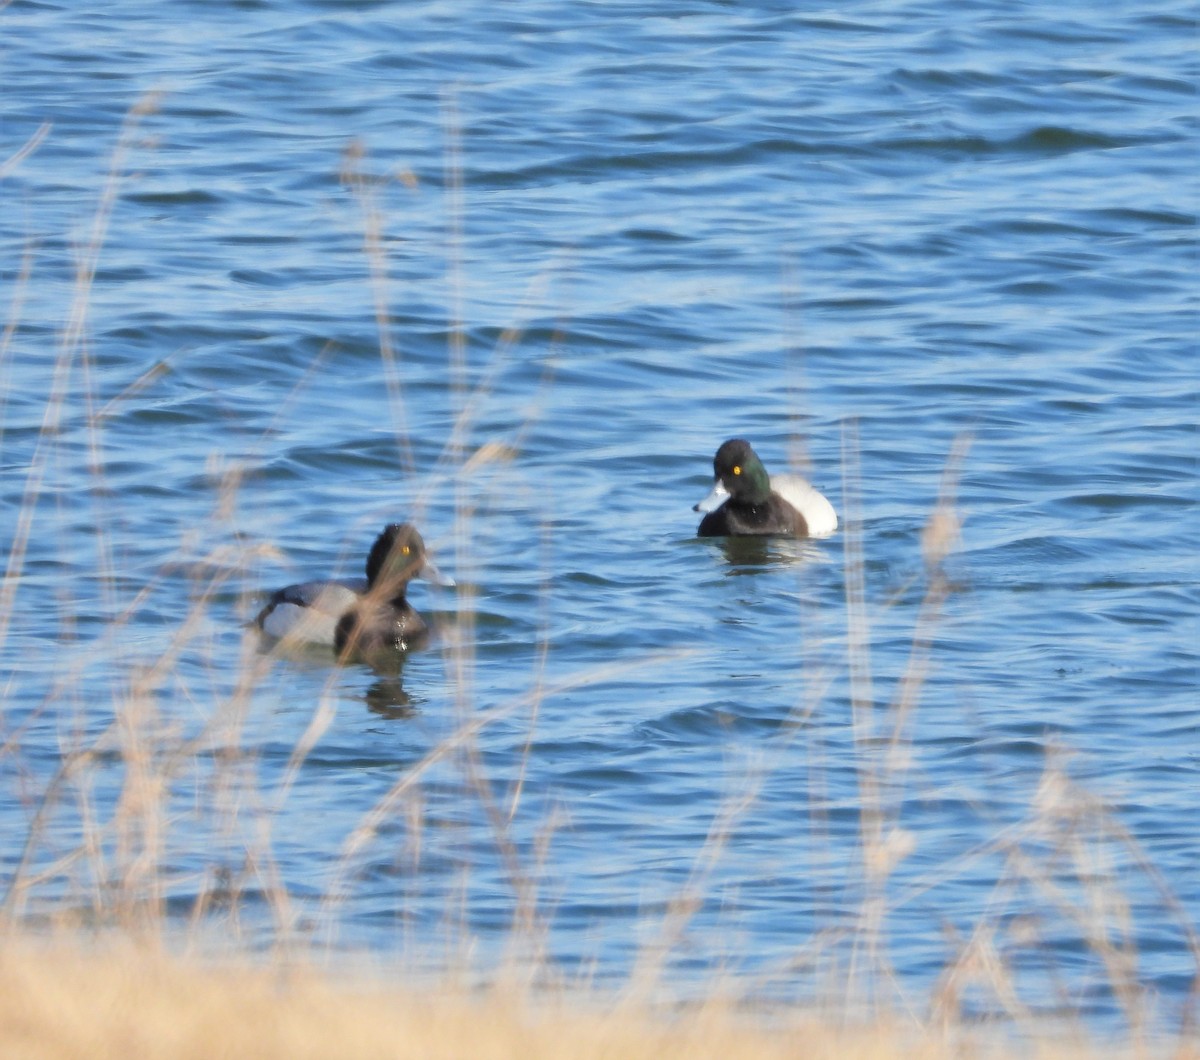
(758, 503)
(386, 698)
(357, 616)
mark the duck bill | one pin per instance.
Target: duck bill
(430, 573)
(714, 500)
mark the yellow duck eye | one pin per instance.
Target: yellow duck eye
(406, 550)
(737, 470)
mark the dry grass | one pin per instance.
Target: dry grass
(69, 997)
(59, 1003)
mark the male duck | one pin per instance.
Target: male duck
(356, 615)
(755, 503)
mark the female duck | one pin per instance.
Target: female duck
(756, 503)
(358, 616)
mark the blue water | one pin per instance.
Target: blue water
(909, 249)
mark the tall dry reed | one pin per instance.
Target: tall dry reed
(114, 880)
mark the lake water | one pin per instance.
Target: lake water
(906, 248)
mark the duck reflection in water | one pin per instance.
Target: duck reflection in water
(752, 555)
(387, 698)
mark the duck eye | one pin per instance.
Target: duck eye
(737, 470)
(406, 550)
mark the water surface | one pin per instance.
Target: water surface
(602, 238)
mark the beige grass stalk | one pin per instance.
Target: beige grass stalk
(366, 191)
(71, 1002)
(875, 862)
(465, 471)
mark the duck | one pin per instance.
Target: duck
(745, 500)
(358, 616)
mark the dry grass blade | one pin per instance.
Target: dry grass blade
(10, 164)
(116, 869)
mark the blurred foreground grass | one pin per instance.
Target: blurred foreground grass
(64, 1001)
(105, 982)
